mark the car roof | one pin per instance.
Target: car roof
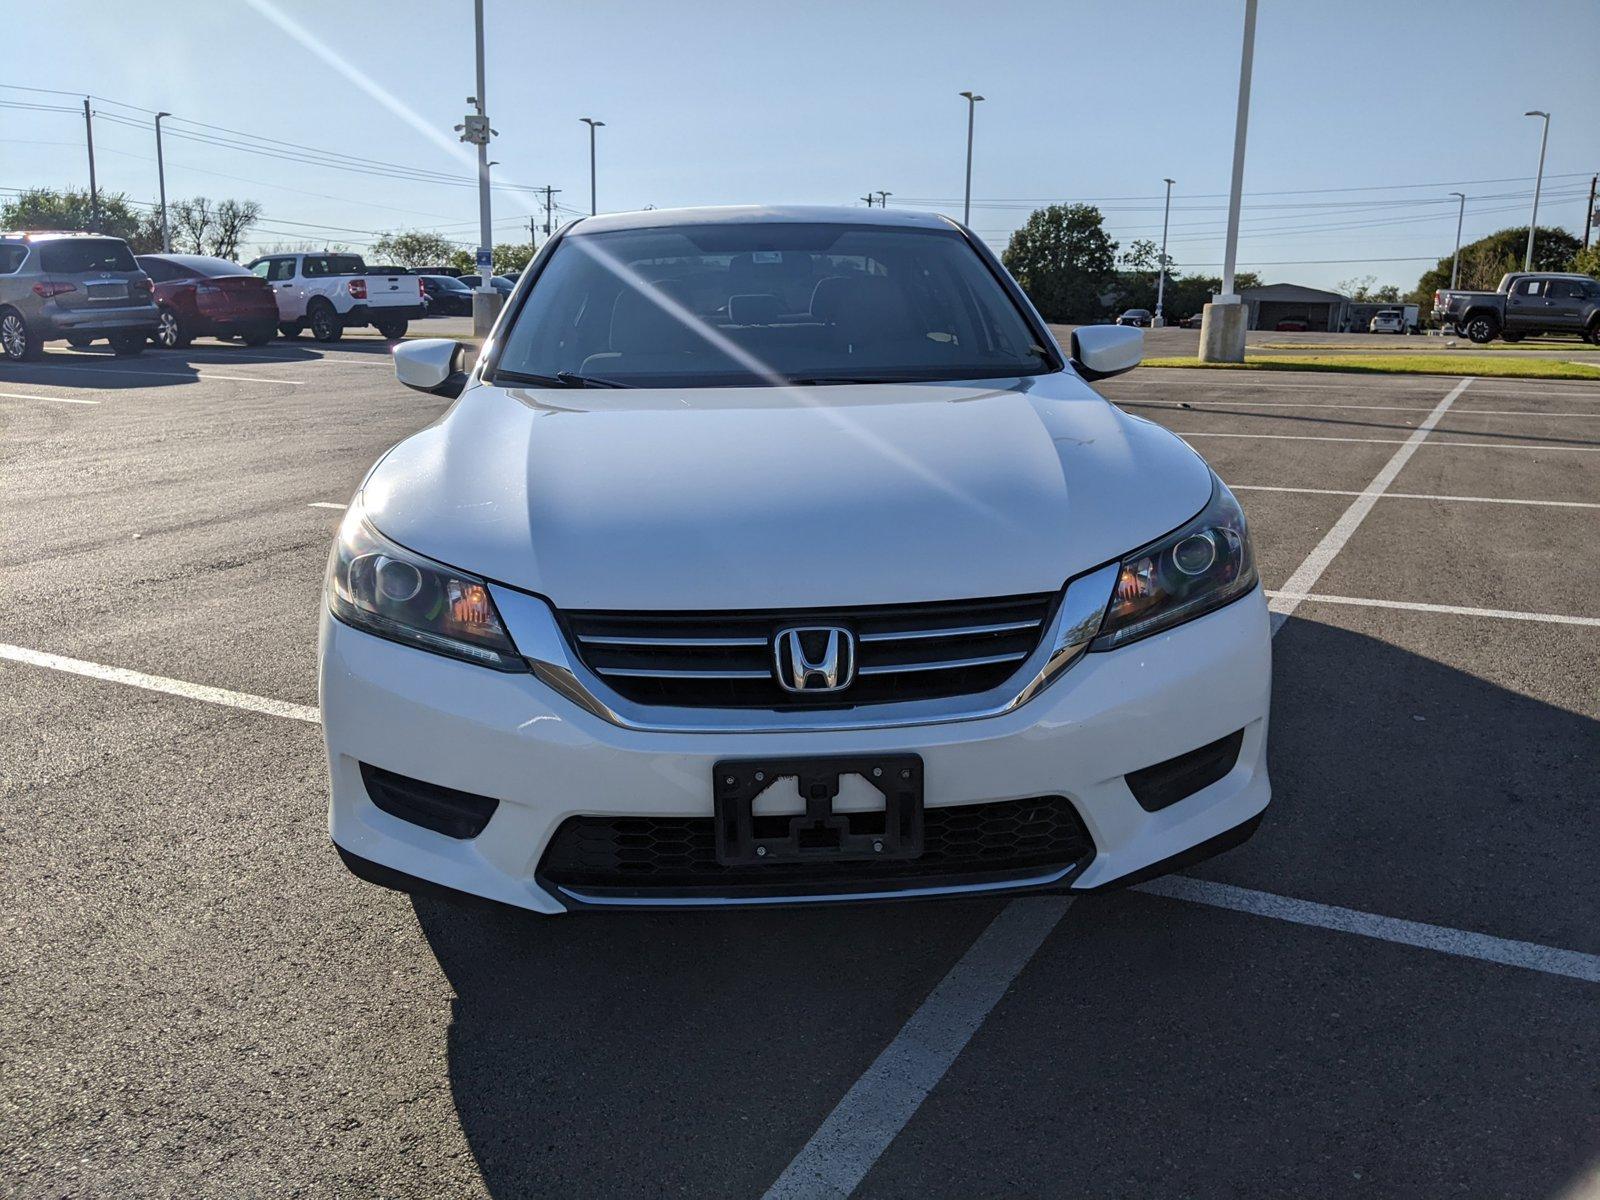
(49, 235)
(758, 214)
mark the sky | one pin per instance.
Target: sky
(1364, 116)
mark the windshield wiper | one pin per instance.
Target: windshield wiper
(561, 379)
(573, 379)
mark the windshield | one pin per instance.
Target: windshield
(725, 305)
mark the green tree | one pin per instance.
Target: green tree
(1064, 260)
(1488, 258)
(46, 208)
(414, 248)
(1588, 261)
(508, 256)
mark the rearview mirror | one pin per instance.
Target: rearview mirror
(433, 365)
(1099, 351)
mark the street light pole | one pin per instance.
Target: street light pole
(593, 125)
(94, 191)
(1455, 259)
(972, 108)
(1533, 221)
(883, 198)
(475, 129)
(1161, 279)
(161, 177)
(1223, 321)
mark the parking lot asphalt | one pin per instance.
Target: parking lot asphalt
(198, 1000)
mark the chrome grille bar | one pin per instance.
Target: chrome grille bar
(949, 664)
(953, 631)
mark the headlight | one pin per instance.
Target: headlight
(1198, 567)
(388, 591)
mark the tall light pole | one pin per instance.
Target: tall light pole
(1533, 221)
(593, 125)
(1455, 259)
(94, 191)
(966, 205)
(161, 177)
(883, 198)
(1161, 279)
(475, 130)
(1223, 321)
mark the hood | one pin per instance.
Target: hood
(738, 498)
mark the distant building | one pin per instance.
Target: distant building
(1327, 312)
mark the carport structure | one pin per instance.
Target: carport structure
(1321, 311)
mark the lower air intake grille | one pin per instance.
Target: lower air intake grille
(726, 659)
(444, 810)
(677, 856)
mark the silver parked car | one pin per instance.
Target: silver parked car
(79, 286)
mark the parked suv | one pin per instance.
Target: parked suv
(79, 286)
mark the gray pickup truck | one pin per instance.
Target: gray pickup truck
(1523, 304)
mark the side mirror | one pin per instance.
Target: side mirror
(1099, 351)
(433, 365)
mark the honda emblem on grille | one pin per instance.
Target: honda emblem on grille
(818, 658)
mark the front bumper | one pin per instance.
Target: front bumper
(511, 738)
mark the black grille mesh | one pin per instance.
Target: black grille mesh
(644, 855)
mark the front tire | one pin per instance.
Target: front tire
(325, 323)
(291, 329)
(259, 336)
(1481, 329)
(17, 341)
(393, 330)
(126, 345)
(78, 342)
(171, 333)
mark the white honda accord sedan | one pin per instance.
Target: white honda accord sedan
(780, 555)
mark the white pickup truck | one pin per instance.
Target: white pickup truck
(328, 293)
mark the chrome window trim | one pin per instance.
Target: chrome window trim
(532, 626)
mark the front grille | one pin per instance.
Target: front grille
(677, 856)
(725, 659)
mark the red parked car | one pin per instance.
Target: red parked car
(198, 295)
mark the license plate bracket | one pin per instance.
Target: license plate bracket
(818, 833)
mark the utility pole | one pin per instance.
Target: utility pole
(593, 125)
(1589, 214)
(867, 198)
(94, 192)
(1223, 321)
(966, 204)
(549, 208)
(475, 130)
(1533, 221)
(1455, 259)
(883, 198)
(1161, 278)
(161, 176)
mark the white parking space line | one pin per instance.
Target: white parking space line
(1307, 437)
(173, 374)
(160, 683)
(51, 399)
(1529, 955)
(877, 1107)
(1308, 572)
(1419, 385)
(1254, 487)
(327, 504)
(1223, 406)
(1461, 610)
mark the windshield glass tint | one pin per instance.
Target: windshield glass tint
(87, 254)
(738, 304)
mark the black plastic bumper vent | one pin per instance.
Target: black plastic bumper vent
(1168, 782)
(677, 856)
(444, 810)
